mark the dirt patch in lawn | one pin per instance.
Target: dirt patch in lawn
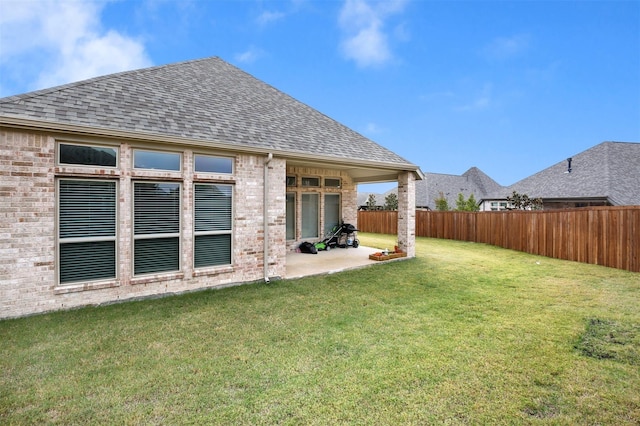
(606, 339)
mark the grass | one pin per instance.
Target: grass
(463, 334)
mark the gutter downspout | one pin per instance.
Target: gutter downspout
(266, 217)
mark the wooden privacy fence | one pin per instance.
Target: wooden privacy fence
(608, 236)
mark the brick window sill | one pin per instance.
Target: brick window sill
(213, 271)
(75, 288)
(152, 279)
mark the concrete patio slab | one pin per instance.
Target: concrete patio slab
(328, 262)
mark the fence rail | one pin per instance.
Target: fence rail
(608, 236)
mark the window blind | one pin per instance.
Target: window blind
(87, 261)
(87, 209)
(212, 250)
(213, 207)
(156, 224)
(213, 224)
(310, 212)
(86, 230)
(156, 208)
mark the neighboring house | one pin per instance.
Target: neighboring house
(380, 200)
(607, 174)
(170, 179)
(436, 185)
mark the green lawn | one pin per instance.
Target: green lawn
(463, 334)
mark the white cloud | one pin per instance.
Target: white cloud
(96, 56)
(365, 39)
(373, 129)
(267, 17)
(64, 42)
(250, 55)
(481, 101)
(506, 47)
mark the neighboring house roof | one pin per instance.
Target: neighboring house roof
(205, 101)
(363, 197)
(380, 199)
(473, 181)
(609, 170)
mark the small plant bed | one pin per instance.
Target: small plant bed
(388, 255)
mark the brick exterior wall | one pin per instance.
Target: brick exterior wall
(407, 213)
(28, 247)
(27, 222)
(348, 198)
(28, 225)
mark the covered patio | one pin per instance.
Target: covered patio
(328, 262)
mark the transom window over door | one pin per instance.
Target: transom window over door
(213, 209)
(156, 225)
(86, 230)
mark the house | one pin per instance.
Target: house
(607, 174)
(436, 185)
(169, 179)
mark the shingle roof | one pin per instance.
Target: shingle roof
(205, 100)
(609, 170)
(473, 181)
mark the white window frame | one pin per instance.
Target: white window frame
(231, 159)
(335, 179)
(229, 231)
(327, 227)
(317, 218)
(159, 235)
(86, 145)
(151, 151)
(290, 215)
(88, 239)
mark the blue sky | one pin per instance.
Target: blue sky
(511, 87)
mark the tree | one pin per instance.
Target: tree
(523, 202)
(472, 204)
(468, 205)
(441, 203)
(371, 202)
(391, 202)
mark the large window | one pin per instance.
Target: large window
(213, 209)
(291, 216)
(331, 211)
(86, 230)
(156, 226)
(310, 210)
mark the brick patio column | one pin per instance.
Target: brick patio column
(407, 213)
